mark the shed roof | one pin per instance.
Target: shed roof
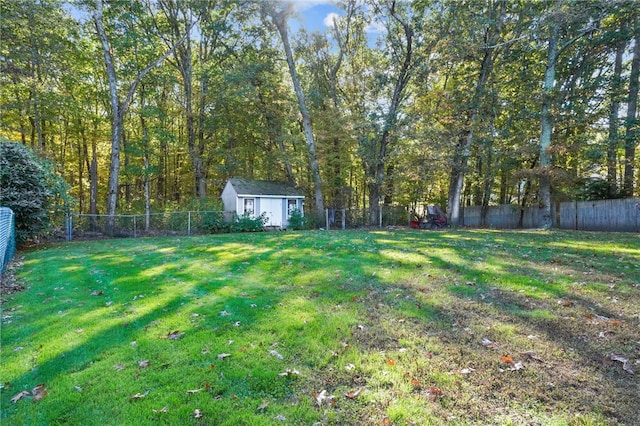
(263, 187)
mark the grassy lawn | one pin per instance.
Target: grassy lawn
(356, 327)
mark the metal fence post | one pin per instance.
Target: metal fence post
(189, 223)
(380, 217)
(344, 219)
(135, 231)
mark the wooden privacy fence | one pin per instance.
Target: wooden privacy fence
(621, 215)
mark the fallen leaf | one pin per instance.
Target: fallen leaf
(192, 391)
(517, 366)
(19, 396)
(139, 396)
(626, 366)
(615, 323)
(289, 372)
(568, 303)
(354, 395)
(507, 359)
(391, 362)
(119, 367)
(263, 406)
(281, 418)
(532, 356)
(225, 314)
(39, 392)
(175, 335)
(467, 370)
(415, 382)
(223, 356)
(97, 293)
(276, 354)
(162, 410)
(197, 413)
(143, 363)
(322, 398)
(435, 391)
(489, 344)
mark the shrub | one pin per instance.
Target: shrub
(246, 223)
(297, 221)
(31, 188)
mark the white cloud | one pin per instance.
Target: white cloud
(330, 18)
(375, 27)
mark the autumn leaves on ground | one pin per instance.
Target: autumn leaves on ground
(358, 327)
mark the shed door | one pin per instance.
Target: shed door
(272, 207)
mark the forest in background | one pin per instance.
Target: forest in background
(151, 105)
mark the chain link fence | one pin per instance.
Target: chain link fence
(7, 237)
(87, 226)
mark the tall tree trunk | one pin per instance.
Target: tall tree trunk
(546, 127)
(464, 145)
(119, 109)
(613, 141)
(375, 175)
(279, 20)
(631, 123)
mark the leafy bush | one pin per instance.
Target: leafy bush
(246, 223)
(31, 187)
(213, 222)
(297, 221)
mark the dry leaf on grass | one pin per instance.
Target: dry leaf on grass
(19, 396)
(276, 354)
(507, 359)
(139, 396)
(223, 356)
(626, 366)
(174, 335)
(143, 363)
(322, 398)
(162, 410)
(192, 391)
(532, 356)
(489, 344)
(38, 392)
(263, 406)
(354, 395)
(289, 372)
(197, 414)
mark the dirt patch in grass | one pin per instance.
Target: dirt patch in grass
(9, 282)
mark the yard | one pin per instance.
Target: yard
(349, 327)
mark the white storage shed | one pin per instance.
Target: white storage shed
(254, 197)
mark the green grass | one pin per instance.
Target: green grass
(398, 315)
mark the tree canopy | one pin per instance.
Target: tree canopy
(147, 105)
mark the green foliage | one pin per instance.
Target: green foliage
(32, 188)
(297, 221)
(246, 223)
(213, 222)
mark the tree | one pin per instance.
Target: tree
(279, 17)
(119, 107)
(31, 188)
(631, 123)
(492, 37)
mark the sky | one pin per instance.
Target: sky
(313, 15)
